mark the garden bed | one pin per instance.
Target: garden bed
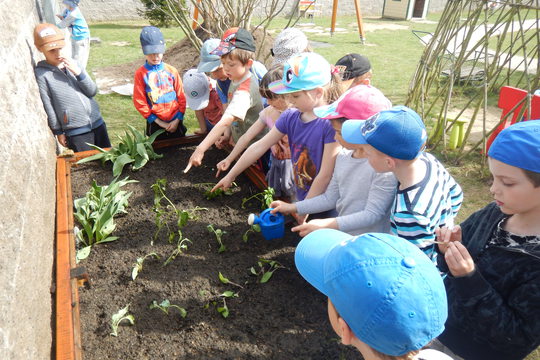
(284, 318)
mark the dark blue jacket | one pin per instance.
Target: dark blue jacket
(495, 312)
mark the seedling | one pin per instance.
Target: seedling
(252, 229)
(120, 316)
(181, 245)
(138, 266)
(164, 215)
(134, 148)
(265, 198)
(209, 194)
(224, 280)
(223, 309)
(166, 305)
(96, 210)
(266, 269)
(219, 234)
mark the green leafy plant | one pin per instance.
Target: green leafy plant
(166, 214)
(120, 316)
(134, 148)
(266, 269)
(166, 305)
(255, 228)
(209, 194)
(265, 198)
(96, 210)
(181, 246)
(224, 309)
(224, 280)
(138, 266)
(219, 234)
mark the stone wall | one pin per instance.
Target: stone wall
(27, 192)
(100, 10)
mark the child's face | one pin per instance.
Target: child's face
(154, 59)
(53, 56)
(303, 100)
(219, 74)
(512, 190)
(233, 68)
(278, 103)
(337, 128)
(333, 316)
(378, 161)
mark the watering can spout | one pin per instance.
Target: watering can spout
(272, 225)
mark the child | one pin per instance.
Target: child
(211, 64)
(280, 175)
(355, 69)
(237, 50)
(67, 93)
(202, 98)
(157, 91)
(361, 196)
(384, 296)
(427, 196)
(288, 43)
(309, 82)
(73, 19)
(494, 257)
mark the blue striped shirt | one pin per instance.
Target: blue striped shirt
(421, 208)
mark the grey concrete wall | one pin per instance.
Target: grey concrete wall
(27, 193)
(100, 10)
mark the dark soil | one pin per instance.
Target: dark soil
(284, 318)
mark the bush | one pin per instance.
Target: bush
(155, 12)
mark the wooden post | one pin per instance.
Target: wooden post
(334, 15)
(359, 21)
(195, 16)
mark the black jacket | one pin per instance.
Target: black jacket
(495, 312)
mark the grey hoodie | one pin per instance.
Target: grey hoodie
(68, 100)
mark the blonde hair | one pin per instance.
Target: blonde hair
(333, 90)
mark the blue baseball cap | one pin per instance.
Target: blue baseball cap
(518, 145)
(209, 62)
(305, 71)
(152, 40)
(385, 288)
(398, 132)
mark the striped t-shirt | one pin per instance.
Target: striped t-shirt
(421, 208)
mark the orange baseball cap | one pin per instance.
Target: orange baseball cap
(48, 37)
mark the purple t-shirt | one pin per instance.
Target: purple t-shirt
(306, 141)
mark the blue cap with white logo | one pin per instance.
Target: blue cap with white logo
(398, 132)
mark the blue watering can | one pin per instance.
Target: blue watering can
(272, 225)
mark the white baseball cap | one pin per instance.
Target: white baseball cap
(197, 89)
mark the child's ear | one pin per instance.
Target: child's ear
(346, 332)
(249, 63)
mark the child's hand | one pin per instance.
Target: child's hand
(313, 225)
(62, 139)
(458, 259)
(224, 183)
(223, 165)
(447, 235)
(282, 207)
(222, 142)
(195, 159)
(172, 126)
(71, 65)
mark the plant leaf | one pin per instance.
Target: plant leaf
(223, 279)
(120, 162)
(83, 253)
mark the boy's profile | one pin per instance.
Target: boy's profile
(157, 91)
(493, 257)
(385, 297)
(67, 94)
(427, 196)
(237, 51)
(354, 69)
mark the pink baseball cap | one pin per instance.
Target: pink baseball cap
(359, 102)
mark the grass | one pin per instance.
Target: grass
(394, 55)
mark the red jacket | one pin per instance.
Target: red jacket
(158, 93)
